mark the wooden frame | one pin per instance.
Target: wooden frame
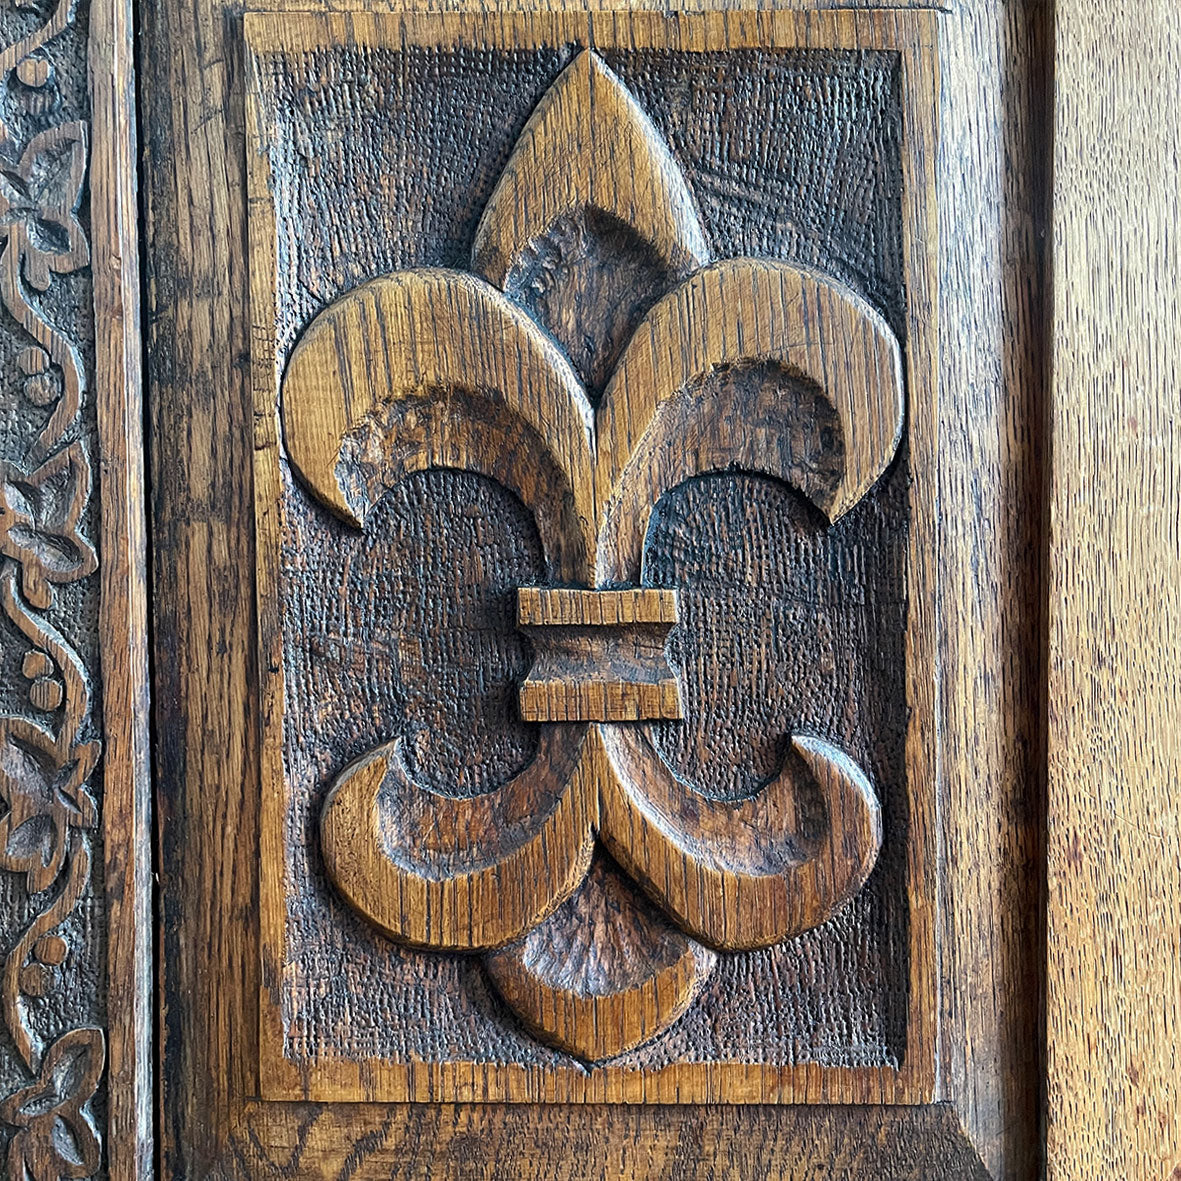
(124, 614)
(987, 710)
(1112, 1103)
(343, 1079)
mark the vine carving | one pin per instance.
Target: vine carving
(47, 762)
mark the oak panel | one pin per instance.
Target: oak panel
(420, 329)
(1114, 989)
(989, 496)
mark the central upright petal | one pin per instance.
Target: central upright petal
(592, 220)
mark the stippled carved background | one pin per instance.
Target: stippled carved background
(384, 160)
(52, 921)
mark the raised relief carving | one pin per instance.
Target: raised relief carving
(47, 761)
(595, 358)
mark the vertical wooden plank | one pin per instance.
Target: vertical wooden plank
(75, 930)
(1114, 988)
(123, 625)
(992, 186)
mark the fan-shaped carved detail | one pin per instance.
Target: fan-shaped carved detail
(604, 973)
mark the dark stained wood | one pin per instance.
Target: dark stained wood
(430, 367)
(206, 628)
(75, 923)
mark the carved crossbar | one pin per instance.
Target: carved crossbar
(599, 655)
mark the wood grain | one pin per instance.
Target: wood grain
(75, 1092)
(1114, 991)
(598, 656)
(552, 1142)
(408, 371)
(123, 613)
(993, 183)
(204, 633)
(564, 607)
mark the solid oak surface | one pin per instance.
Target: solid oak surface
(742, 377)
(1071, 471)
(1114, 825)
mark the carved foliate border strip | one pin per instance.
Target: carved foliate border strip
(73, 777)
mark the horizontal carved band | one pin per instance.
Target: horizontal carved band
(600, 701)
(599, 655)
(559, 607)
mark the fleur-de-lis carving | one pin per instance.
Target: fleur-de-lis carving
(55, 1136)
(40, 516)
(573, 365)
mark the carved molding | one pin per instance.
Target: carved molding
(579, 387)
(48, 758)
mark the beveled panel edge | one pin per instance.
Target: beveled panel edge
(912, 33)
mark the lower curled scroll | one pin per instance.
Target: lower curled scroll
(741, 874)
(459, 873)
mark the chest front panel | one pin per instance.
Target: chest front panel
(642, 308)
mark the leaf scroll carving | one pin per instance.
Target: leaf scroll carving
(49, 808)
(573, 364)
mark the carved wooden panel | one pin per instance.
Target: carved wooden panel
(594, 430)
(74, 869)
(53, 1050)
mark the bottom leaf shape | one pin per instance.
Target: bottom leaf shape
(604, 973)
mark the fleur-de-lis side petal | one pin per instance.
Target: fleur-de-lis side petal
(532, 376)
(447, 873)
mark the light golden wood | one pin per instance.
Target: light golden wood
(1114, 823)
(562, 607)
(598, 655)
(460, 873)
